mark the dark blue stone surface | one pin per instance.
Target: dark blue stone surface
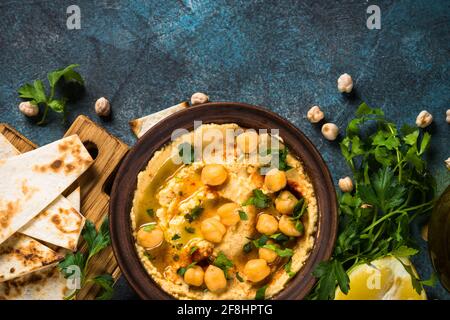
(284, 55)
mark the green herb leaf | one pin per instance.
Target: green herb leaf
(261, 241)
(55, 76)
(259, 200)
(193, 249)
(187, 152)
(189, 229)
(151, 213)
(176, 236)
(287, 267)
(404, 251)
(243, 215)
(261, 293)
(194, 214)
(392, 187)
(238, 276)
(106, 282)
(430, 282)
(223, 263)
(280, 252)
(149, 227)
(248, 247)
(70, 261)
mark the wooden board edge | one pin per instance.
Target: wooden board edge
(6, 127)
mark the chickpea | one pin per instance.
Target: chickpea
(214, 174)
(287, 226)
(102, 107)
(267, 224)
(212, 229)
(345, 83)
(275, 180)
(346, 184)
(447, 116)
(314, 114)
(194, 276)
(267, 254)
(29, 109)
(150, 237)
(424, 119)
(285, 202)
(199, 98)
(256, 270)
(330, 131)
(215, 279)
(229, 214)
(247, 141)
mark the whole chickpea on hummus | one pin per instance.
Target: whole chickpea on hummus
(226, 217)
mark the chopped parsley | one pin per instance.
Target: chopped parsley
(189, 229)
(259, 199)
(181, 271)
(287, 268)
(223, 263)
(243, 215)
(261, 293)
(238, 276)
(248, 247)
(194, 214)
(187, 152)
(176, 237)
(151, 213)
(149, 227)
(193, 249)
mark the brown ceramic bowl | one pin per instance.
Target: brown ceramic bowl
(247, 116)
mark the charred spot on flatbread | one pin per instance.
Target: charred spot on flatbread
(7, 212)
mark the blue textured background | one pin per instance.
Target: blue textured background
(284, 55)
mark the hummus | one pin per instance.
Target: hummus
(217, 220)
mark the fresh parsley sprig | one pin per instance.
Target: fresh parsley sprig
(258, 199)
(36, 93)
(392, 188)
(96, 242)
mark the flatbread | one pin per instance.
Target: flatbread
(30, 182)
(7, 150)
(142, 125)
(47, 284)
(20, 255)
(75, 199)
(59, 224)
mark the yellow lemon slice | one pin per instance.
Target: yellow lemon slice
(382, 279)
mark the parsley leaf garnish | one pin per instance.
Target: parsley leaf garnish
(261, 293)
(259, 200)
(243, 215)
(194, 214)
(96, 242)
(176, 236)
(392, 188)
(187, 152)
(189, 229)
(151, 213)
(37, 95)
(223, 263)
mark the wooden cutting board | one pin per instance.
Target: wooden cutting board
(108, 151)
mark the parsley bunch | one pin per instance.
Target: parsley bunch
(37, 95)
(392, 188)
(96, 242)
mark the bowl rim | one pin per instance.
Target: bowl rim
(124, 186)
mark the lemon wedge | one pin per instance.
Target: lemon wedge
(382, 279)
